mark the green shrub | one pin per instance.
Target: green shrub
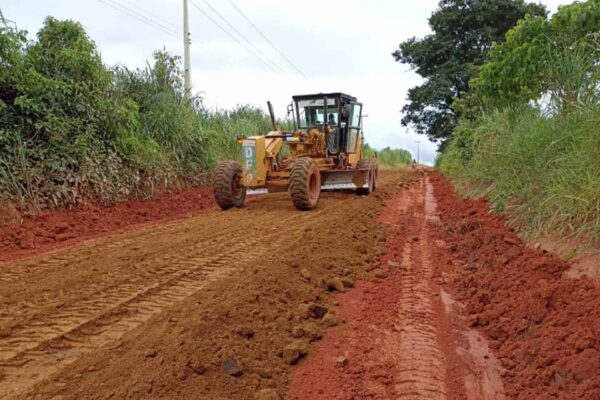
(73, 131)
(531, 142)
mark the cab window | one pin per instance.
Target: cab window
(354, 130)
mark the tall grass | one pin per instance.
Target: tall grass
(543, 171)
(540, 162)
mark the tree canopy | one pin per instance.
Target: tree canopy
(463, 31)
(559, 57)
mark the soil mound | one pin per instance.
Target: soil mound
(61, 228)
(544, 327)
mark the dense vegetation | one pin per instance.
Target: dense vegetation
(529, 133)
(73, 130)
(463, 31)
(388, 157)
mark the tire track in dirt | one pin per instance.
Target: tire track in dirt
(152, 263)
(100, 298)
(421, 371)
(399, 340)
(43, 346)
(42, 352)
(99, 290)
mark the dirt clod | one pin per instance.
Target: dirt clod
(336, 284)
(341, 361)
(263, 373)
(232, 367)
(311, 331)
(294, 351)
(246, 332)
(348, 282)
(329, 320)
(297, 332)
(151, 354)
(197, 367)
(304, 273)
(380, 274)
(317, 310)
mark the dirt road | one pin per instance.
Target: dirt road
(223, 305)
(67, 318)
(403, 338)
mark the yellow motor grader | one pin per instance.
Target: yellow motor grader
(324, 152)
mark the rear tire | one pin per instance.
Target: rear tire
(228, 185)
(305, 184)
(371, 177)
(375, 174)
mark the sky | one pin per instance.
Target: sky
(336, 45)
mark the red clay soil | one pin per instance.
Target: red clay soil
(395, 341)
(544, 327)
(64, 228)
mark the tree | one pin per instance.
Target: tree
(557, 58)
(463, 33)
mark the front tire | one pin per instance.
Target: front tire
(228, 185)
(305, 184)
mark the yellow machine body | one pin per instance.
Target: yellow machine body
(265, 167)
(322, 152)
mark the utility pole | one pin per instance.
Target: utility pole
(186, 51)
(418, 142)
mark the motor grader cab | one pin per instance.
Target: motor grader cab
(322, 152)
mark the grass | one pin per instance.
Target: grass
(543, 171)
(539, 161)
(73, 131)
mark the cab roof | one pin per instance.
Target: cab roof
(344, 97)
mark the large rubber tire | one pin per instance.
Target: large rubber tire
(228, 185)
(305, 184)
(375, 174)
(367, 163)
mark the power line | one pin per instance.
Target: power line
(156, 17)
(154, 24)
(267, 39)
(243, 37)
(133, 14)
(233, 37)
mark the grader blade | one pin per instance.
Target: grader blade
(344, 180)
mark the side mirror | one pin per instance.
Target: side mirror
(290, 111)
